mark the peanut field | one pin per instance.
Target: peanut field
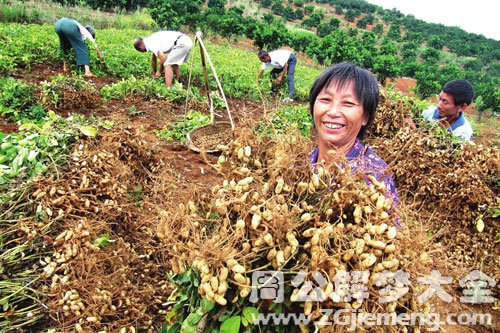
(109, 223)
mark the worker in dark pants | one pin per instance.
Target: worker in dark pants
(73, 35)
(283, 62)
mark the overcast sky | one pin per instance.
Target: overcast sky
(476, 16)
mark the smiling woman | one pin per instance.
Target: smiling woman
(343, 101)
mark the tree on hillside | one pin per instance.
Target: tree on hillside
(338, 47)
(494, 69)
(488, 88)
(277, 7)
(409, 51)
(288, 13)
(394, 32)
(266, 3)
(392, 15)
(304, 41)
(353, 32)
(327, 28)
(378, 29)
(323, 30)
(473, 64)
(410, 68)
(217, 6)
(308, 9)
(313, 20)
(350, 15)
(386, 66)
(450, 72)
(268, 18)
(431, 56)
(368, 41)
(334, 23)
(174, 13)
(231, 23)
(435, 42)
(388, 47)
(370, 19)
(412, 36)
(272, 36)
(427, 81)
(362, 23)
(318, 14)
(309, 23)
(299, 13)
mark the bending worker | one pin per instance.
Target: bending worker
(175, 43)
(73, 35)
(282, 61)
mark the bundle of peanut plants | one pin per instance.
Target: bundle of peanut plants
(273, 212)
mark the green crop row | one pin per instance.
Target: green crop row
(17, 101)
(22, 46)
(40, 12)
(38, 146)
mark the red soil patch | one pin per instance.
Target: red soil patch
(6, 127)
(403, 84)
(39, 73)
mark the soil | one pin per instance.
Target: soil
(148, 116)
(7, 127)
(403, 84)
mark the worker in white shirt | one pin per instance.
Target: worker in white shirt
(175, 43)
(283, 62)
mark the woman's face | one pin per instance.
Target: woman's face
(338, 116)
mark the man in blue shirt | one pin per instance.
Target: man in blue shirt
(454, 99)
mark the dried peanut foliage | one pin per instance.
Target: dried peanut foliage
(390, 114)
(99, 266)
(453, 185)
(272, 212)
(64, 93)
(86, 236)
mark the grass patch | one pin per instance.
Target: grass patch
(41, 12)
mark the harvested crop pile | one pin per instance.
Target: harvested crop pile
(272, 213)
(99, 264)
(68, 94)
(429, 169)
(456, 185)
(391, 112)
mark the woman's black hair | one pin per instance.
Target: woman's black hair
(365, 88)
